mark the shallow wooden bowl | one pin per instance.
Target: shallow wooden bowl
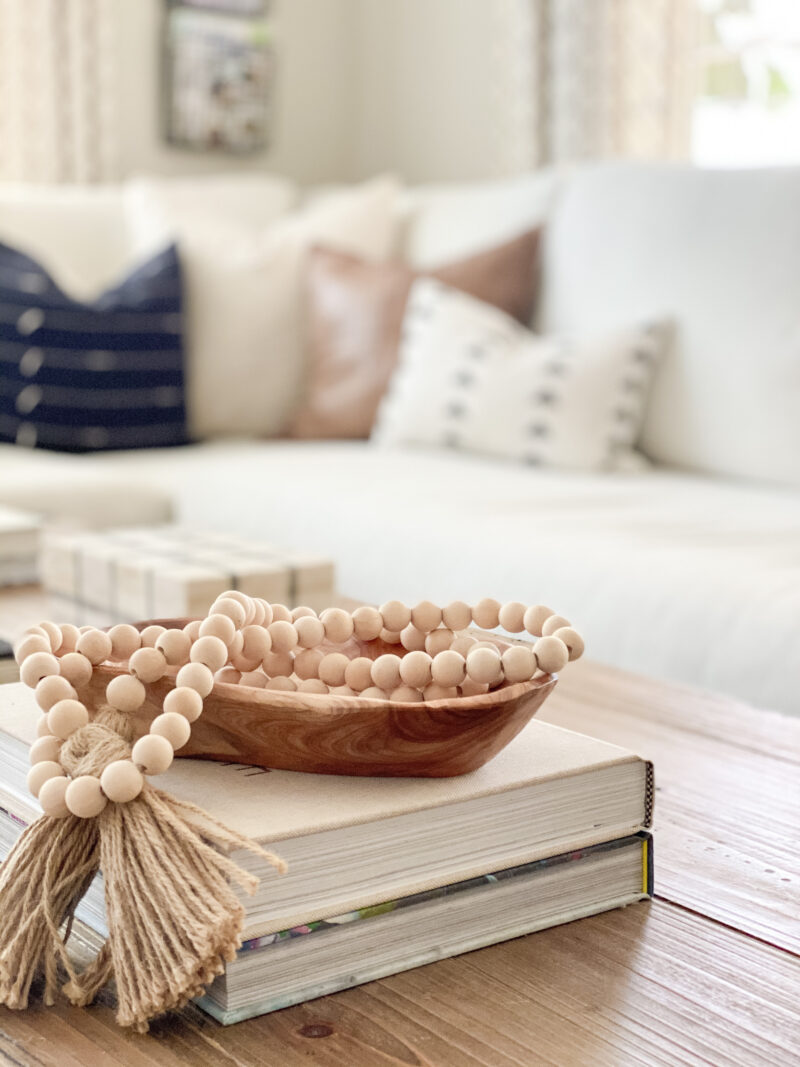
(346, 735)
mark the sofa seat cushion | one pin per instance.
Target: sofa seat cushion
(667, 574)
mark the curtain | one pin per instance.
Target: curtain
(57, 93)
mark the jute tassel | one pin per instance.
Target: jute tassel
(173, 916)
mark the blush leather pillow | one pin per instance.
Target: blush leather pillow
(355, 315)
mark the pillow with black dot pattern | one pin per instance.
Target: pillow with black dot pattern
(470, 378)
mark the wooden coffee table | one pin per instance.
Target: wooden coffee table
(708, 972)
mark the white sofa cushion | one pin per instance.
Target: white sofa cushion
(718, 252)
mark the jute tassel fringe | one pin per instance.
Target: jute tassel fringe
(173, 917)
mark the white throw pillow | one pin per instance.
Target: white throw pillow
(471, 378)
(245, 305)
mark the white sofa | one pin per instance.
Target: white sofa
(688, 568)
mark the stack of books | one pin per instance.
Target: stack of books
(386, 874)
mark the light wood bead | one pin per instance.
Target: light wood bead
(29, 645)
(253, 679)
(176, 728)
(226, 605)
(260, 612)
(426, 616)
(77, 669)
(511, 616)
(228, 676)
(196, 676)
(218, 625)
(374, 692)
(486, 613)
(37, 666)
(415, 670)
(95, 645)
(367, 623)
(439, 641)
(52, 689)
(449, 668)
(235, 651)
(278, 664)
(67, 716)
(553, 623)
(463, 644)
(85, 629)
(535, 617)
(282, 684)
(434, 691)
(312, 685)
(484, 666)
(43, 726)
(245, 601)
(396, 615)
(280, 613)
(572, 639)
(53, 634)
(125, 693)
(492, 646)
(390, 637)
(302, 611)
(208, 650)
(69, 638)
(256, 643)
(306, 663)
(38, 631)
(386, 672)
(122, 781)
(45, 749)
(193, 629)
(358, 673)
(41, 773)
(469, 688)
(85, 797)
(457, 615)
(151, 634)
(52, 797)
(413, 639)
(184, 701)
(176, 645)
(552, 654)
(148, 664)
(338, 625)
(519, 664)
(125, 640)
(343, 691)
(283, 635)
(152, 754)
(310, 631)
(332, 668)
(405, 694)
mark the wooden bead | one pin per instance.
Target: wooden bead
(434, 691)
(69, 638)
(535, 617)
(220, 626)
(449, 668)
(552, 654)
(193, 629)
(42, 772)
(396, 616)
(43, 726)
(306, 663)
(367, 623)
(152, 754)
(52, 797)
(484, 665)
(302, 611)
(30, 644)
(184, 701)
(386, 672)
(511, 616)
(342, 691)
(174, 727)
(256, 643)
(486, 613)
(125, 693)
(310, 631)
(463, 644)
(210, 651)
(338, 625)
(85, 797)
(125, 640)
(457, 615)
(37, 666)
(405, 694)
(53, 634)
(67, 716)
(280, 613)
(196, 676)
(312, 685)
(278, 664)
(226, 605)
(253, 679)
(238, 660)
(469, 688)
(245, 601)
(332, 668)
(439, 641)
(374, 692)
(95, 645)
(176, 645)
(39, 632)
(151, 634)
(572, 639)
(413, 639)
(390, 637)
(426, 616)
(148, 664)
(283, 636)
(52, 689)
(415, 669)
(282, 683)
(519, 664)
(122, 781)
(45, 749)
(553, 623)
(77, 669)
(358, 673)
(227, 676)
(260, 612)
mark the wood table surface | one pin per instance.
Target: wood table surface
(706, 973)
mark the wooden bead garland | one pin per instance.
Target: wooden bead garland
(249, 642)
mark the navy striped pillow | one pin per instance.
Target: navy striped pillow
(82, 377)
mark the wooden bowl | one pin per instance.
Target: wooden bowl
(345, 735)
